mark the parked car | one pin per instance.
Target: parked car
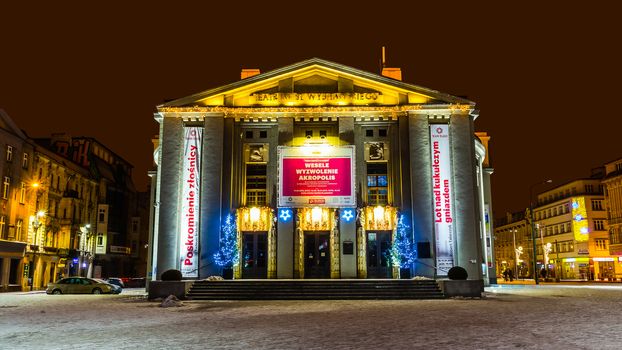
(78, 285)
(116, 281)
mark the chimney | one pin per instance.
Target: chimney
(393, 73)
(249, 72)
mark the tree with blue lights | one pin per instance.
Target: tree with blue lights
(402, 252)
(227, 255)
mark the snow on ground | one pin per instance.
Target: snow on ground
(508, 317)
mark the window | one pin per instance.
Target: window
(382, 132)
(601, 244)
(25, 161)
(619, 167)
(102, 215)
(369, 132)
(22, 193)
(322, 134)
(6, 186)
(134, 225)
(18, 229)
(9, 153)
(597, 204)
(100, 239)
(256, 180)
(599, 225)
(263, 134)
(248, 134)
(377, 184)
(2, 225)
(589, 188)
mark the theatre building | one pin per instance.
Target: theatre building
(316, 162)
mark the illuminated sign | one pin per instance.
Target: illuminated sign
(285, 214)
(316, 99)
(579, 224)
(348, 215)
(442, 196)
(190, 189)
(316, 176)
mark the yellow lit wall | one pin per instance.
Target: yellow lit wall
(579, 219)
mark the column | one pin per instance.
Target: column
(421, 193)
(211, 194)
(170, 170)
(347, 233)
(285, 243)
(468, 253)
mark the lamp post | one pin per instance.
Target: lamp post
(516, 254)
(533, 227)
(86, 251)
(36, 222)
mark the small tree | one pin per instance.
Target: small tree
(402, 252)
(227, 255)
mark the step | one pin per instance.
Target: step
(314, 289)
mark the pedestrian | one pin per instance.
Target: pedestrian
(511, 275)
(543, 273)
(505, 275)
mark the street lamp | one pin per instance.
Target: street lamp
(86, 249)
(36, 222)
(533, 227)
(516, 253)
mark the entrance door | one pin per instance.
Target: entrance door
(378, 246)
(317, 255)
(254, 255)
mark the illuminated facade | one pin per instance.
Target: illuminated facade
(613, 198)
(317, 161)
(513, 245)
(572, 239)
(63, 211)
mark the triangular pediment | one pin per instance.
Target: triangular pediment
(316, 82)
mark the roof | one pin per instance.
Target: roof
(259, 82)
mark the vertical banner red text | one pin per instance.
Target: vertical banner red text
(189, 235)
(442, 197)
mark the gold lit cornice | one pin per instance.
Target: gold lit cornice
(346, 110)
(254, 218)
(380, 218)
(316, 219)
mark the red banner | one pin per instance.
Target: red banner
(317, 177)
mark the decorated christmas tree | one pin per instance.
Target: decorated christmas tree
(227, 255)
(402, 252)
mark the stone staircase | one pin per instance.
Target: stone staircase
(342, 289)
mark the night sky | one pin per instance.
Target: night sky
(545, 78)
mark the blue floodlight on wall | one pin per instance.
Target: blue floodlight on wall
(578, 217)
(575, 205)
(348, 215)
(285, 214)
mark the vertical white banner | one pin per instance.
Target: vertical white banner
(189, 235)
(442, 195)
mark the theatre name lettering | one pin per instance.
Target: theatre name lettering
(316, 98)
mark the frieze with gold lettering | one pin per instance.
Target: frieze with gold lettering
(316, 99)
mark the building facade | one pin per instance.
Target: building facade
(571, 235)
(316, 163)
(613, 197)
(513, 245)
(67, 208)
